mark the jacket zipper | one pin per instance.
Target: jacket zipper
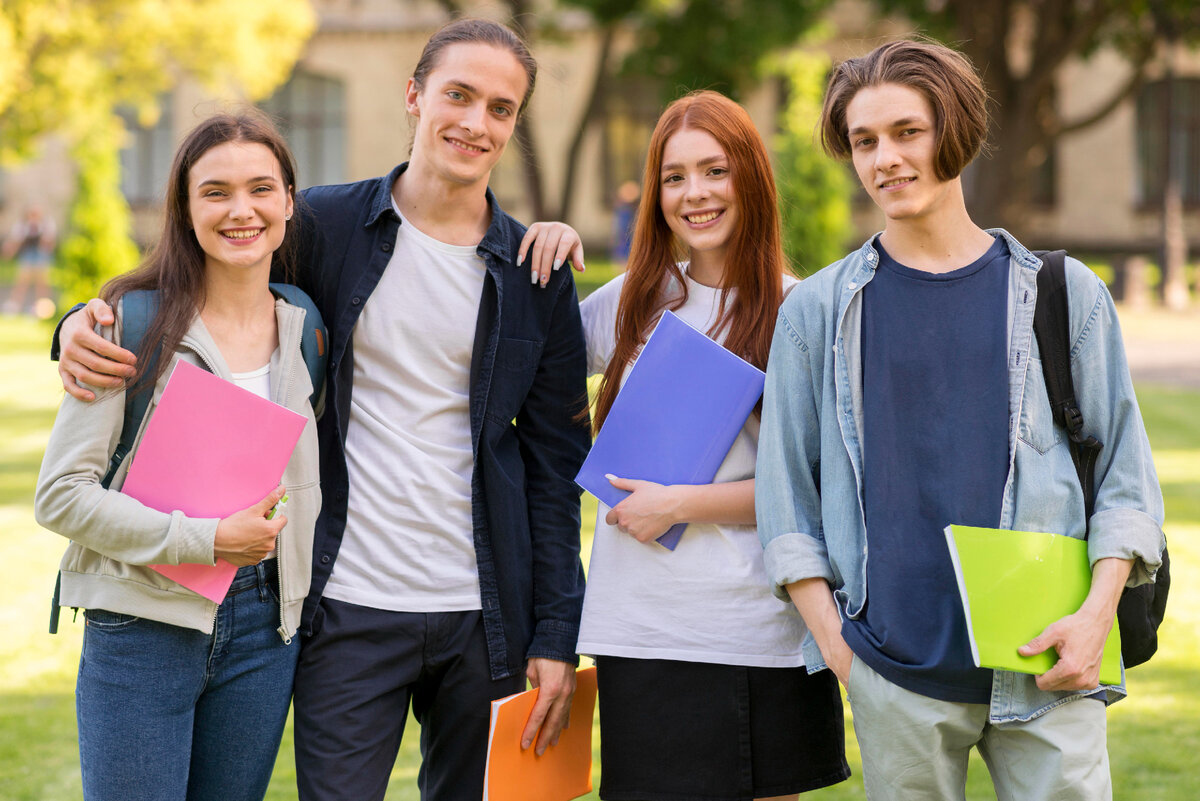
(282, 630)
(288, 393)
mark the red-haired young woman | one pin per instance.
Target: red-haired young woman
(703, 689)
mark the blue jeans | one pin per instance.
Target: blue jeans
(169, 713)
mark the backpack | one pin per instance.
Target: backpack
(1141, 609)
(138, 309)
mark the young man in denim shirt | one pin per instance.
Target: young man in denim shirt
(904, 394)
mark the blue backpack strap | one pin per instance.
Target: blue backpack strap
(138, 309)
(313, 339)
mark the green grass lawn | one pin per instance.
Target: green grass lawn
(1153, 736)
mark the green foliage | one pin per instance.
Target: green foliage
(67, 65)
(814, 190)
(714, 44)
(99, 246)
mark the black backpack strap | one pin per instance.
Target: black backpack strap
(314, 337)
(1051, 325)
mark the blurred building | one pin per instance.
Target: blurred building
(344, 115)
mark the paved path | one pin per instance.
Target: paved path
(1163, 348)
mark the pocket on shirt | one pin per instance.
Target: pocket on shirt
(515, 367)
(517, 354)
(1036, 427)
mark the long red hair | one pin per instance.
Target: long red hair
(756, 262)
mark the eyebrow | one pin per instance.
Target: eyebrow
(897, 124)
(474, 91)
(701, 163)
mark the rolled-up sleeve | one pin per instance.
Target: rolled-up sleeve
(787, 496)
(1128, 516)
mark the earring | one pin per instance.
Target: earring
(288, 217)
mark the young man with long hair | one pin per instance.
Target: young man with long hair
(446, 568)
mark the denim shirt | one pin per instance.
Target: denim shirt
(809, 494)
(527, 391)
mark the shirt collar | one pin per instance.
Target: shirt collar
(497, 240)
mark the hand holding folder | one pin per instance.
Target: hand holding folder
(563, 772)
(211, 449)
(1014, 584)
(675, 418)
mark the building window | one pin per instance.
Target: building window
(1156, 114)
(146, 157)
(311, 112)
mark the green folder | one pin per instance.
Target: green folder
(1015, 583)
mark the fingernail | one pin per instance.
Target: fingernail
(544, 280)
(533, 277)
(609, 476)
(557, 263)
(520, 259)
(581, 267)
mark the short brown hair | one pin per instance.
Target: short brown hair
(945, 77)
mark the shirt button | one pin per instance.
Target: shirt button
(324, 558)
(385, 247)
(355, 301)
(852, 285)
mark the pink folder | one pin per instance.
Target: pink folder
(210, 449)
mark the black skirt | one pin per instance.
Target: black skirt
(689, 731)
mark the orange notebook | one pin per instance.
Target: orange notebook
(563, 772)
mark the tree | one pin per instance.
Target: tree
(682, 44)
(814, 190)
(1021, 48)
(66, 66)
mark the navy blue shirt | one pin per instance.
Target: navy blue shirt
(935, 437)
(527, 393)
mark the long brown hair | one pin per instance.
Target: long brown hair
(175, 265)
(754, 267)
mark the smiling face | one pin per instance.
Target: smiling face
(696, 194)
(238, 205)
(893, 144)
(466, 111)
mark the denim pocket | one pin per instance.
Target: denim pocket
(1036, 428)
(104, 620)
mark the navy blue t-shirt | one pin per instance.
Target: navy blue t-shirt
(935, 449)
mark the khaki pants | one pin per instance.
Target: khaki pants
(914, 747)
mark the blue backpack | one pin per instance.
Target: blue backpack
(138, 309)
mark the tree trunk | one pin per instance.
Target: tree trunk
(590, 112)
(1173, 257)
(1001, 184)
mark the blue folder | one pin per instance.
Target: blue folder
(675, 418)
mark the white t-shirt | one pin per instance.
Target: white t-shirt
(709, 600)
(409, 540)
(259, 382)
